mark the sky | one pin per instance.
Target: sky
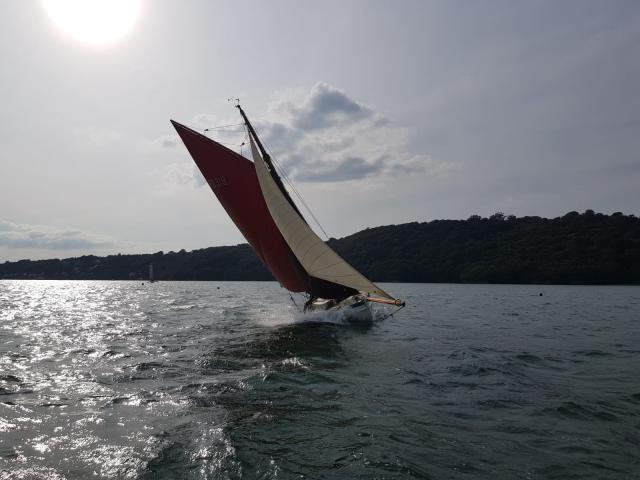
(380, 113)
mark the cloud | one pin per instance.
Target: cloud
(317, 135)
(324, 135)
(351, 168)
(166, 141)
(14, 235)
(177, 175)
(326, 106)
(97, 136)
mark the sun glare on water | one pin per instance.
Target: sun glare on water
(94, 22)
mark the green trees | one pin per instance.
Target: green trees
(587, 248)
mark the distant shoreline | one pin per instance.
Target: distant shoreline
(576, 249)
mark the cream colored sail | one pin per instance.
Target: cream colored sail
(317, 258)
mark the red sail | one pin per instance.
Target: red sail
(233, 179)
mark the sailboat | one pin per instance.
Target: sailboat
(254, 196)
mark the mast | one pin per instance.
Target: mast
(267, 158)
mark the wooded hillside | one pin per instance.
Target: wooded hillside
(587, 248)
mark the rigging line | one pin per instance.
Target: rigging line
(244, 141)
(299, 195)
(222, 126)
(388, 315)
(294, 302)
(223, 132)
(284, 175)
(231, 144)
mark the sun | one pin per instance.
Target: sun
(94, 22)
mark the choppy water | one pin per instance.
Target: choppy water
(185, 380)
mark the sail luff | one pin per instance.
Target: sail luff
(315, 256)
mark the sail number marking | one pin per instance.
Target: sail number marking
(217, 182)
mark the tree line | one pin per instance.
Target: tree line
(576, 248)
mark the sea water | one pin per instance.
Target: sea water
(227, 380)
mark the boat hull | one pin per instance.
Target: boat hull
(354, 309)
